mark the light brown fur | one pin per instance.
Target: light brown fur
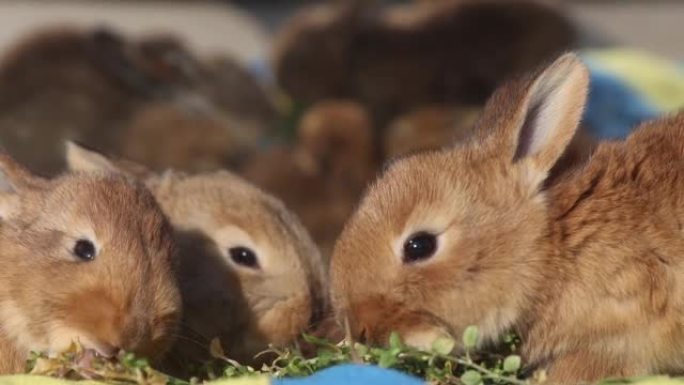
(588, 271)
(247, 309)
(126, 298)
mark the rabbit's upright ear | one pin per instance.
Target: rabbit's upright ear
(80, 158)
(14, 178)
(14, 181)
(532, 124)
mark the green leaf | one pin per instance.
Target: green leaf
(387, 359)
(361, 349)
(471, 377)
(470, 336)
(443, 345)
(215, 349)
(315, 340)
(395, 341)
(512, 364)
(230, 371)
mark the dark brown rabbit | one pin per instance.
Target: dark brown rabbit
(589, 271)
(396, 58)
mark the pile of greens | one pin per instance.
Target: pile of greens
(438, 366)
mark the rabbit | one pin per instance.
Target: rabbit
(185, 139)
(395, 58)
(323, 174)
(435, 126)
(112, 92)
(428, 127)
(588, 271)
(249, 274)
(86, 258)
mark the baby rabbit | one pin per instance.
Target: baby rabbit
(115, 92)
(84, 257)
(589, 272)
(249, 273)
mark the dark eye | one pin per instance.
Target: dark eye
(419, 246)
(244, 256)
(84, 249)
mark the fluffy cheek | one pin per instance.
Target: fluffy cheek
(19, 327)
(286, 320)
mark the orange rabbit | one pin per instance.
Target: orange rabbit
(84, 257)
(590, 272)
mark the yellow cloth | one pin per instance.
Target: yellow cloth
(658, 80)
(26, 379)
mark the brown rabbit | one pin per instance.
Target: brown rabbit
(428, 127)
(249, 275)
(321, 176)
(86, 258)
(114, 93)
(588, 272)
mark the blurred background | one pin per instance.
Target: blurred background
(308, 99)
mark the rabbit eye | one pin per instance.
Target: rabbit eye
(84, 249)
(244, 257)
(419, 246)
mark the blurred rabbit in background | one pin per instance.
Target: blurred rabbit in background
(150, 100)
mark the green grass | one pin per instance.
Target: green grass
(437, 366)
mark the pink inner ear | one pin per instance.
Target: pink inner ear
(527, 140)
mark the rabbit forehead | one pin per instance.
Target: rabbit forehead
(434, 189)
(228, 209)
(449, 192)
(102, 206)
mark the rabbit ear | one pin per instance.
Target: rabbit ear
(539, 121)
(79, 158)
(15, 180)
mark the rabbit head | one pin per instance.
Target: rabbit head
(249, 275)
(86, 258)
(449, 238)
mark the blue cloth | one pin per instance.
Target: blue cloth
(352, 374)
(614, 108)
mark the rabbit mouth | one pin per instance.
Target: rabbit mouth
(62, 339)
(373, 322)
(89, 348)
